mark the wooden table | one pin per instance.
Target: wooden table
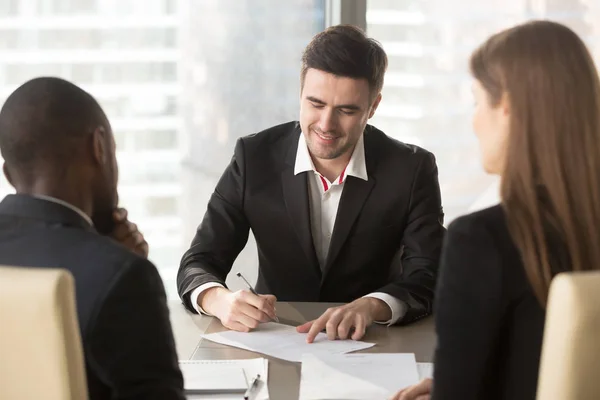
(284, 376)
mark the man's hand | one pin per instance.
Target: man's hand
(240, 311)
(127, 233)
(420, 391)
(350, 320)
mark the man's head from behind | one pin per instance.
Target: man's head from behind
(341, 80)
(56, 141)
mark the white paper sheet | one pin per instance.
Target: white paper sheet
(356, 376)
(210, 378)
(282, 341)
(425, 370)
(250, 367)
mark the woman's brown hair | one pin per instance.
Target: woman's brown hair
(550, 187)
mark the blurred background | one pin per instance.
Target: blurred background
(181, 80)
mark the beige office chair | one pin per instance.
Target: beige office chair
(41, 355)
(570, 362)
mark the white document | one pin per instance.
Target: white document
(210, 378)
(356, 376)
(282, 341)
(206, 375)
(425, 370)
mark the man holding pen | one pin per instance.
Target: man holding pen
(330, 200)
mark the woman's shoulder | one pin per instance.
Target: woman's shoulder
(490, 218)
(487, 228)
(485, 233)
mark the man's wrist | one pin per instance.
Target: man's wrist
(209, 300)
(379, 310)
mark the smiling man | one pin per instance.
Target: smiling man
(331, 201)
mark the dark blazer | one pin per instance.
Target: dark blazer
(489, 323)
(398, 206)
(121, 304)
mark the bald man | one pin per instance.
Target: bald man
(59, 154)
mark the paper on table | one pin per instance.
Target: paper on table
(425, 370)
(210, 378)
(356, 376)
(251, 368)
(282, 341)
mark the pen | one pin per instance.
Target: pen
(251, 388)
(252, 290)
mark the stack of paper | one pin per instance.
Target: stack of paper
(356, 376)
(224, 379)
(282, 341)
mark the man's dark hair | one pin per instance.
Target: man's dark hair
(345, 50)
(42, 123)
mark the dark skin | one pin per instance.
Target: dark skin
(78, 185)
(127, 233)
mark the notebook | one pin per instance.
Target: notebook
(208, 379)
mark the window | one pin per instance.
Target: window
(9, 8)
(426, 96)
(155, 140)
(66, 7)
(161, 206)
(171, 75)
(117, 38)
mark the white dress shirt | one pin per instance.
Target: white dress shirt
(324, 199)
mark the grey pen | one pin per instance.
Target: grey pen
(252, 388)
(252, 290)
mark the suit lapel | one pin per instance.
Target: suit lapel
(355, 194)
(295, 195)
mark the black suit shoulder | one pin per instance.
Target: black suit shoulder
(387, 156)
(487, 318)
(111, 255)
(490, 223)
(130, 338)
(268, 149)
(260, 158)
(489, 217)
(127, 317)
(121, 303)
(97, 262)
(112, 264)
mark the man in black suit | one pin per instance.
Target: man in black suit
(330, 201)
(59, 155)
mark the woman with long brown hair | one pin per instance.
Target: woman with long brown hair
(537, 118)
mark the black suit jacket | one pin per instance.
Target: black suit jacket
(121, 304)
(489, 323)
(398, 206)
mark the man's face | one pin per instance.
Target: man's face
(334, 111)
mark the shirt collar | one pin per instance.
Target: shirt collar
(357, 166)
(65, 204)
